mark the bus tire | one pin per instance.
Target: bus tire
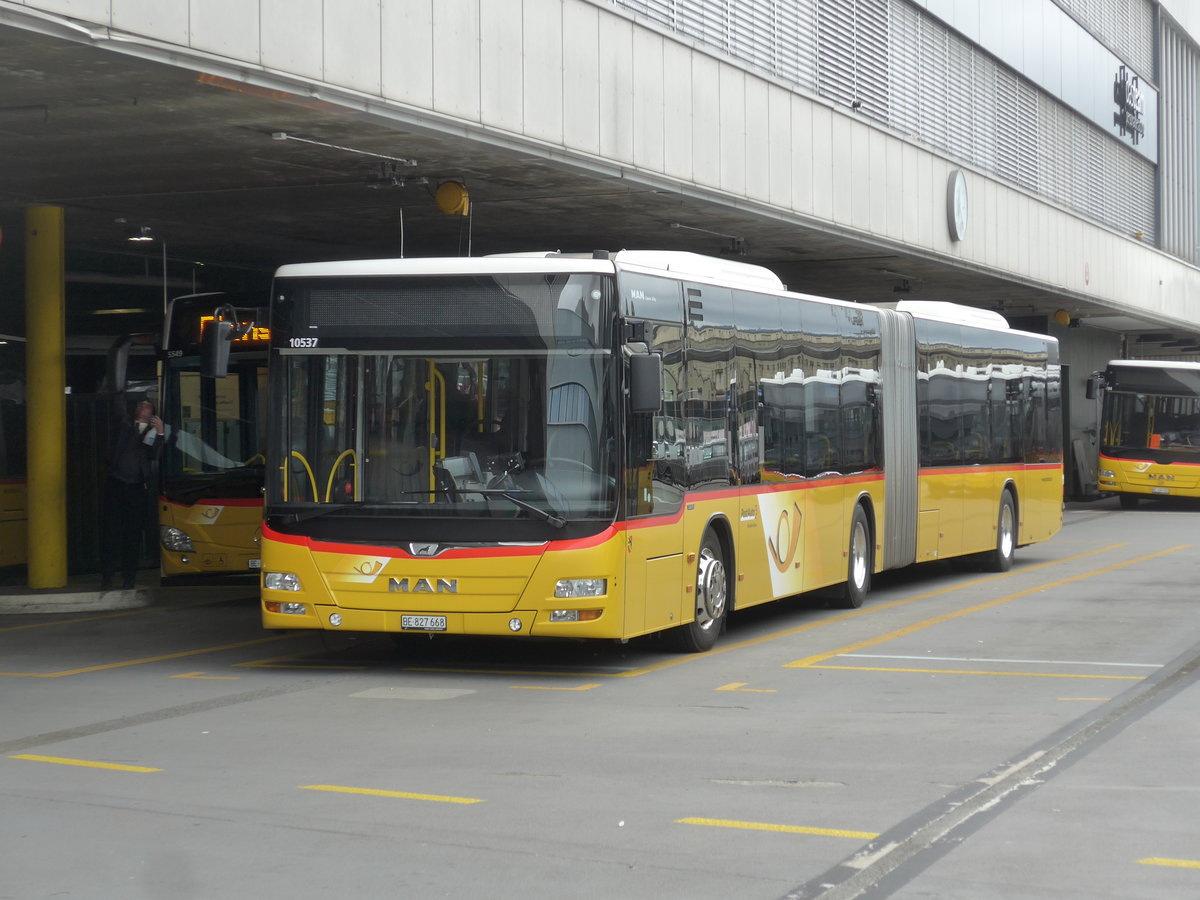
(1128, 501)
(860, 558)
(1001, 559)
(711, 598)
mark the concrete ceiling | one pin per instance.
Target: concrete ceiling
(123, 143)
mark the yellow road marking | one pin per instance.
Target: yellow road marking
(978, 672)
(740, 687)
(200, 676)
(1173, 863)
(784, 829)
(403, 795)
(811, 661)
(147, 659)
(85, 763)
(545, 687)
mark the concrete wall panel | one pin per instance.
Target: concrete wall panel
(227, 28)
(779, 147)
(677, 111)
(706, 112)
(164, 20)
(822, 136)
(501, 65)
(456, 58)
(406, 67)
(544, 49)
(731, 129)
(98, 11)
(292, 36)
(801, 158)
(839, 163)
(616, 89)
(649, 106)
(757, 152)
(581, 77)
(351, 47)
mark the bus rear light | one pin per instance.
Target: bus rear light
(175, 540)
(575, 615)
(281, 581)
(581, 587)
(286, 607)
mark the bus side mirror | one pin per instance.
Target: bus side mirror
(117, 365)
(1090, 389)
(214, 349)
(645, 383)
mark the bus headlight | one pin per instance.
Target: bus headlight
(281, 581)
(286, 607)
(175, 540)
(581, 587)
(1106, 473)
(575, 615)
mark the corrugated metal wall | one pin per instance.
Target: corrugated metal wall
(1179, 144)
(904, 69)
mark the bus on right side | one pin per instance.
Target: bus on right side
(1149, 429)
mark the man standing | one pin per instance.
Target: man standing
(135, 443)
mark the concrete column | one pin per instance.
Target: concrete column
(45, 393)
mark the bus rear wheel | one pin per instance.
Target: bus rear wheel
(859, 562)
(711, 599)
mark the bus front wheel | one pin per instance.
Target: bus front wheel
(711, 598)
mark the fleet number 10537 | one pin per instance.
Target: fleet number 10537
(303, 342)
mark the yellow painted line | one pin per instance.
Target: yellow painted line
(85, 763)
(976, 672)
(546, 687)
(782, 829)
(402, 795)
(1173, 863)
(740, 687)
(810, 661)
(147, 659)
(75, 621)
(200, 676)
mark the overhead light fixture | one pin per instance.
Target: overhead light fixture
(735, 247)
(144, 233)
(118, 311)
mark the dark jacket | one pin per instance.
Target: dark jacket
(130, 458)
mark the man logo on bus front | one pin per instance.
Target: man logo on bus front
(423, 549)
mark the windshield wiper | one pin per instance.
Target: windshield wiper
(544, 515)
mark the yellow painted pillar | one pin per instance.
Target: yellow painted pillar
(45, 393)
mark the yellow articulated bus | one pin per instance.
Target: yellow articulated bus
(211, 471)
(1149, 429)
(609, 446)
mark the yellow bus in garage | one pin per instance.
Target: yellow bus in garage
(211, 469)
(612, 445)
(1149, 429)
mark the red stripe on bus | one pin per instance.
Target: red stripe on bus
(1148, 462)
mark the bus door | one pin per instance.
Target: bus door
(655, 474)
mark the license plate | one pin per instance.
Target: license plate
(1160, 490)
(254, 563)
(423, 623)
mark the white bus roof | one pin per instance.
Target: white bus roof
(1155, 364)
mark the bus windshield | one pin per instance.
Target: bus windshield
(488, 402)
(1143, 422)
(214, 440)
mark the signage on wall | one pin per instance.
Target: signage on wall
(1127, 94)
